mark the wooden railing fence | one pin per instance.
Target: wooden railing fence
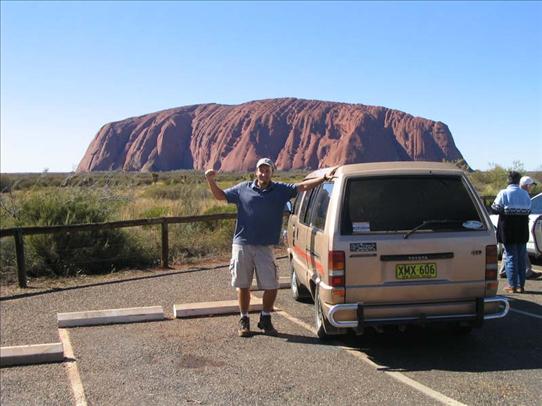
(19, 232)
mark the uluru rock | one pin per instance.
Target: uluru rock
(295, 133)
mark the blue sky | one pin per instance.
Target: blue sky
(67, 68)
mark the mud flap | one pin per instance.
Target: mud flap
(480, 313)
(360, 317)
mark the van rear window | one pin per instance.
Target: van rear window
(401, 203)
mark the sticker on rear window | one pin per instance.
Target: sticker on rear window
(472, 224)
(361, 227)
(363, 247)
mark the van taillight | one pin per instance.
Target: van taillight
(336, 268)
(336, 260)
(491, 263)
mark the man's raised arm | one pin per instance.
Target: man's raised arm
(218, 193)
(312, 183)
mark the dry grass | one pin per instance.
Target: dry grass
(107, 198)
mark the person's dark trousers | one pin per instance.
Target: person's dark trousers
(515, 264)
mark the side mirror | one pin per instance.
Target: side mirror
(288, 208)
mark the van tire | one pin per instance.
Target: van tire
(319, 318)
(299, 292)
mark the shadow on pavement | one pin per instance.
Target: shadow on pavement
(511, 343)
(114, 282)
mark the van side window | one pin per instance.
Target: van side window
(297, 203)
(303, 217)
(320, 205)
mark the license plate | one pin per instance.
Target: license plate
(416, 271)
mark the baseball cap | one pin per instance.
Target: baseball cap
(265, 161)
(526, 181)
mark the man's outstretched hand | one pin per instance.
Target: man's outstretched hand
(330, 174)
(210, 174)
(218, 193)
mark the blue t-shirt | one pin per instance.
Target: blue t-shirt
(259, 211)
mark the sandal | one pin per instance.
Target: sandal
(510, 289)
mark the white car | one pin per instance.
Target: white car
(534, 246)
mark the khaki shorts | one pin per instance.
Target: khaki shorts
(246, 258)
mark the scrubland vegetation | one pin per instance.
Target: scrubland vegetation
(55, 198)
(52, 198)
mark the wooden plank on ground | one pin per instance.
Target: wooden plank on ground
(31, 354)
(212, 308)
(110, 316)
(284, 283)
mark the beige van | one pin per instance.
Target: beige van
(394, 243)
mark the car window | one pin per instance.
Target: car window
(399, 203)
(321, 203)
(297, 203)
(303, 217)
(536, 205)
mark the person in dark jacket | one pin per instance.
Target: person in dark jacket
(526, 183)
(513, 206)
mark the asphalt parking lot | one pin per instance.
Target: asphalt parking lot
(202, 361)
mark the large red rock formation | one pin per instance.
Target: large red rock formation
(295, 133)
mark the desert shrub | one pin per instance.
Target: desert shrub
(73, 253)
(163, 191)
(490, 182)
(8, 261)
(88, 252)
(204, 238)
(6, 183)
(155, 212)
(216, 224)
(74, 206)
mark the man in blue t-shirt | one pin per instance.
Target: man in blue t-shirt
(260, 207)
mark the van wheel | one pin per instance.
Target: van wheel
(299, 292)
(320, 320)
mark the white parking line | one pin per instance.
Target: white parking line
(72, 370)
(394, 374)
(526, 313)
(295, 320)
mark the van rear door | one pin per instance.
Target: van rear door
(412, 238)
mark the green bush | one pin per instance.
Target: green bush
(490, 182)
(155, 212)
(67, 254)
(161, 191)
(201, 239)
(6, 183)
(8, 262)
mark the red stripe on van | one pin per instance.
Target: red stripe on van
(310, 259)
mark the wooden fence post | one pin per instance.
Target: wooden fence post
(19, 250)
(165, 244)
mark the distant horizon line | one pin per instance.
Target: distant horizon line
(44, 172)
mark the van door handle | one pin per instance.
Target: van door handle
(314, 254)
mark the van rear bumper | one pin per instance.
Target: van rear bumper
(360, 313)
